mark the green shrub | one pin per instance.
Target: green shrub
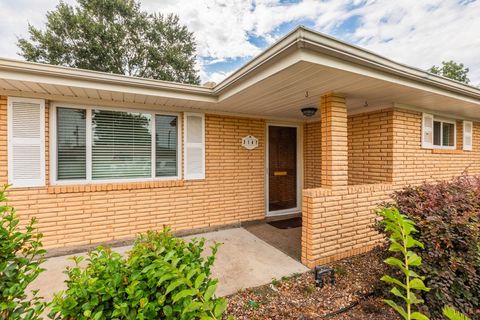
(453, 314)
(447, 215)
(163, 277)
(21, 254)
(400, 231)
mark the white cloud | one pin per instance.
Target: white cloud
(423, 33)
(418, 33)
(14, 18)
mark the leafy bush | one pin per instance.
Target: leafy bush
(163, 277)
(21, 254)
(453, 314)
(400, 230)
(447, 215)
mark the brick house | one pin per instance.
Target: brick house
(99, 157)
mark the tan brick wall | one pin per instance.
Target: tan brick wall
(370, 152)
(312, 155)
(233, 191)
(413, 164)
(333, 115)
(381, 150)
(337, 222)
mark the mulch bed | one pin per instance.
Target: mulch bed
(296, 297)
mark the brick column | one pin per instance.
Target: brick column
(333, 113)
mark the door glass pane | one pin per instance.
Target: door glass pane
(121, 145)
(166, 145)
(448, 134)
(71, 144)
(437, 133)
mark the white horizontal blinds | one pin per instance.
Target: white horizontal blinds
(166, 141)
(71, 144)
(427, 131)
(467, 135)
(194, 146)
(121, 145)
(26, 137)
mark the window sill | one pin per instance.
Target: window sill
(115, 186)
(447, 151)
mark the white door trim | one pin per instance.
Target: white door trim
(298, 208)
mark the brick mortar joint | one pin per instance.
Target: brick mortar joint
(347, 190)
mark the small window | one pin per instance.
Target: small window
(438, 133)
(443, 133)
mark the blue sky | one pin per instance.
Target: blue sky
(420, 33)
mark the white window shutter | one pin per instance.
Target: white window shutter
(427, 131)
(467, 135)
(194, 157)
(26, 142)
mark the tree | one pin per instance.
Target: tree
(451, 69)
(114, 36)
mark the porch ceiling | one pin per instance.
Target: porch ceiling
(282, 95)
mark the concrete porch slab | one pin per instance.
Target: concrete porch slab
(243, 261)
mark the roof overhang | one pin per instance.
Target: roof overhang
(274, 84)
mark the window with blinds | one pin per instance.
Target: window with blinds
(121, 145)
(71, 144)
(103, 145)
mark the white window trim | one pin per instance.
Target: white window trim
(202, 175)
(444, 120)
(53, 145)
(41, 180)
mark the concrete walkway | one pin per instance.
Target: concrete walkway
(243, 261)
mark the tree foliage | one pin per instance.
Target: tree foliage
(453, 70)
(114, 36)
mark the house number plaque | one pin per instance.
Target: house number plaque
(249, 142)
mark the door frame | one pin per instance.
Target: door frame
(298, 208)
